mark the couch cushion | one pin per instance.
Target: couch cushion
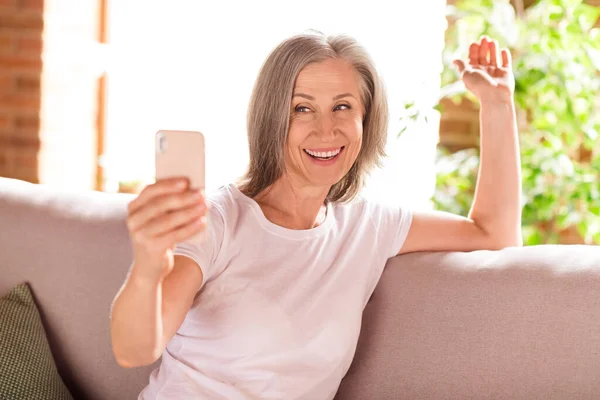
(27, 365)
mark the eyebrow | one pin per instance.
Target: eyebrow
(306, 96)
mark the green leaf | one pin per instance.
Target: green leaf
(556, 55)
(587, 16)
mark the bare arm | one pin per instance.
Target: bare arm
(160, 288)
(147, 313)
(496, 207)
(494, 221)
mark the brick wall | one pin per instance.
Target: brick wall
(21, 28)
(49, 91)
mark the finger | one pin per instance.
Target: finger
(184, 233)
(474, 54)
(163, 205)
(484, 50)
(494, 53)
(506, 58)
(173, 221)
(460, 65)
(160, 188)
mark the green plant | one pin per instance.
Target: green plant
(556, 57)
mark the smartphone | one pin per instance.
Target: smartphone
(180, 154)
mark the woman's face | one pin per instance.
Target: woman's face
(325, 133)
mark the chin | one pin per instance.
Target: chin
(326, 181)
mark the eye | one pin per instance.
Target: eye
(342, 107)
(301, 109)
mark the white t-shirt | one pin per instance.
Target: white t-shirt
(279, 313)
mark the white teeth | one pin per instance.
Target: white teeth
(324, 154)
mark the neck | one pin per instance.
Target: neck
(293, 206)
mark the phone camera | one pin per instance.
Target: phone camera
(162, 143)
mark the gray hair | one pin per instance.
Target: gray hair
(268, 116)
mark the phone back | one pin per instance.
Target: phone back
(180, 154)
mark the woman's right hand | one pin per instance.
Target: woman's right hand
(162, 215)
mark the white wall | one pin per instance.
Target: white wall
(191, 65)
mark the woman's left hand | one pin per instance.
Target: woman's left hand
(488, 75)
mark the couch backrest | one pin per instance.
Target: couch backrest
(518, 324)
(512, 324)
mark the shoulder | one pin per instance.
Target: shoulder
(356, 213)
(224, 200)
(383, 224)
(373, 212)
(363, 207)
(228, 207)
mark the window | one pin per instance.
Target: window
(191, 65)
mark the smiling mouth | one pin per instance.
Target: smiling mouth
(324, 155)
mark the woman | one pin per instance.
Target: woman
(268, 305)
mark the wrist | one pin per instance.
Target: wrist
(500, 98)
(143, 279)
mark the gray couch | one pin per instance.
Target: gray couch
(521, 323)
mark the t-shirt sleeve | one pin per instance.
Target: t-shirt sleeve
(205, 248)
(389, 226)
(394, 224)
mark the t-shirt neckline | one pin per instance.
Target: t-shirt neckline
(280, 230)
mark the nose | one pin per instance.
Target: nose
(327, 128)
